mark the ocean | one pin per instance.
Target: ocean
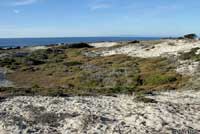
(15, 42)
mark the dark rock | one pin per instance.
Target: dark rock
(180, 38)
(79, 45)
(2, 98)
(17, 47)
(190, 36)
(135, 41)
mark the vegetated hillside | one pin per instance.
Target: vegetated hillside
(61, 70)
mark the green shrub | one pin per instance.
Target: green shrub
(72, 63)
(158, 79)
(191, 55)
(33, 61)
(39, 54)
(124, 90)
(7, 61)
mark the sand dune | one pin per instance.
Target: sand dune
(172, 47)
(123, 114)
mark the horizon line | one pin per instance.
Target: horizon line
(128, 36)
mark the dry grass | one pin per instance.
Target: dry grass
(191, 55)
(159, 74)
(68, 71)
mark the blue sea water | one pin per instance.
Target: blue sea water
(14, 42)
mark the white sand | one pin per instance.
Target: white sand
(167, 47)
(101, 115)
(188, 67)
(34, 48)
(104, 44)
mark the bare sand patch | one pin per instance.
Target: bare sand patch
(121, 114)
(104, 44)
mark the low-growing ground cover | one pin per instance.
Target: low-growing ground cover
(61, 71)
(193, 54)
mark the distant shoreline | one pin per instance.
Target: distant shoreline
(23, 42)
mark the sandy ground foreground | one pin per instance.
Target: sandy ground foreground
(101, 115)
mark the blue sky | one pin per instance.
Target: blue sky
(67, 18)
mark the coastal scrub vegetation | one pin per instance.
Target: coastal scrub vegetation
(191, 55)
(60, 71)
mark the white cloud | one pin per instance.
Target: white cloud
(16, 11)
(100, 6)
(23, 2)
